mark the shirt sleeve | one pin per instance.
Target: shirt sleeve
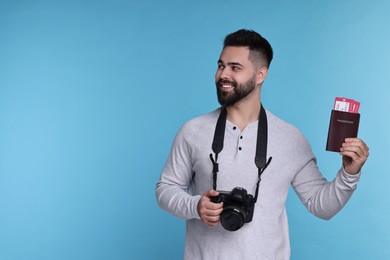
(171, 189)
(322, 198)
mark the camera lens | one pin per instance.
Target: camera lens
(232, 218)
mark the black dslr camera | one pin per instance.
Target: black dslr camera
(238, 207)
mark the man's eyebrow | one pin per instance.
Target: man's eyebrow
(235, 64)
(230, 63)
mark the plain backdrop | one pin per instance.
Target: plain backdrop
(92, 94)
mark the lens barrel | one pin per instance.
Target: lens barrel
(232, 218)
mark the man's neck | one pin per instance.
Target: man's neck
(243, 113)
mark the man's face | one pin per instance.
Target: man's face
(235, 77)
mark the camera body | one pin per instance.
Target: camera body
(238, 208)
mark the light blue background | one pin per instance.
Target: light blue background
(93, 92)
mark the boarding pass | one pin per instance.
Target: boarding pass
(346, 105)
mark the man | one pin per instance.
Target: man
(185, 188)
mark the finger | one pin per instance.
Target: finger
(357, 146)
(351, 149)
(212, 223)
(213, 206)
(207, 208)
(354, 152)
(354, 155)
(350, 157)
(213, 212)
(210, 217)
(357, 142)
(211, 193)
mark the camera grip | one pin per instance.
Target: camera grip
(216, 199)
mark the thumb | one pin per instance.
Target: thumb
(211, 193)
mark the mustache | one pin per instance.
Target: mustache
(225, 81)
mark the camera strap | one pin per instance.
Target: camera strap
(261, 145)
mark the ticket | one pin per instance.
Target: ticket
(346, 105)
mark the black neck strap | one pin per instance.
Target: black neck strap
(261, 145)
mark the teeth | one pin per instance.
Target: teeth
(226, 86)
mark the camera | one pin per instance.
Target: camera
(238, 207)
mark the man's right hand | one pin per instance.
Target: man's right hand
(209, 211)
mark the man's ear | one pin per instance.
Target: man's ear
(261, 75)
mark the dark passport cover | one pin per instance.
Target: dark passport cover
(342, 125)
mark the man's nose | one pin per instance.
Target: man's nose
(225, 73)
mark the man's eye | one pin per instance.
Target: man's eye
(235, 68)
(221, 66)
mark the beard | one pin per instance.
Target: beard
(239, 91)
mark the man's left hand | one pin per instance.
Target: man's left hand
(355, 153)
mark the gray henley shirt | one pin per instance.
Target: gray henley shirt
(188, 174)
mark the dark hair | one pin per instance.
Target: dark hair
(260, 49)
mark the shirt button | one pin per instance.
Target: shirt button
(239, 148)
(241, 137)
(234, 128)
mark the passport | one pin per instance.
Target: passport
(342, 125)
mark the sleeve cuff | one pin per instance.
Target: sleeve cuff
(357, 175)
(195, 212)
(350, 180)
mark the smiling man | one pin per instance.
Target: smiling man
(220, 177)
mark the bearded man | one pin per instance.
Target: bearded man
(252, 213)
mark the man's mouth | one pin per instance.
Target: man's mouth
(225, 85)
